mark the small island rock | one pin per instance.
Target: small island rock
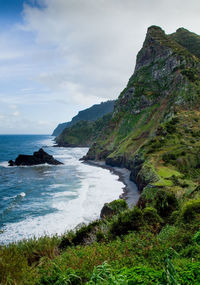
(38, 157)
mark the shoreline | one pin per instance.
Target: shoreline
(130, 190)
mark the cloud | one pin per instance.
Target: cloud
(66, 55)
(98, 40)
(16, 113)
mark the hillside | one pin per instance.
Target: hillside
(90, 114)
(153, 131)
(190, 41)
(82, 133)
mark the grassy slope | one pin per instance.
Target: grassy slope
(190, 41)
(90, 114)
(82, 133)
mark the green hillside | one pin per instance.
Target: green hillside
(190, 41)
(82, 133)
(90, 114)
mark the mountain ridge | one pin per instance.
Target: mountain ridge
(162, 92)
(89, 114)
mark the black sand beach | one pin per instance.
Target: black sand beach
(130, 190)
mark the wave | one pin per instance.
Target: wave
(4, 164)
(89, 187)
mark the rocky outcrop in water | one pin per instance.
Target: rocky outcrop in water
(38, 157)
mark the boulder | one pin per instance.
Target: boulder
(106, 211)
(38, 157)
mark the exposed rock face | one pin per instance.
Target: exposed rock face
(106, 211)
(147, 131)
(38, 157)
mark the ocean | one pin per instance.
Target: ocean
(46, 199)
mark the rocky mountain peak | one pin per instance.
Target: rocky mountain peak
(164, 69)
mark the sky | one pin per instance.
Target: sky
(58, 57)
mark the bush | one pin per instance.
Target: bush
(84, 232)
(151, 216)
(105, 274)
(65, 242)
(118, 205)
(191, 251)
(167, 157)
(165, 202)
(174, 217)
(196, 238)
(53, 274)
(129, 220)
(113, 208)
(191, 210)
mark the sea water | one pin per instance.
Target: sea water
(46, 199)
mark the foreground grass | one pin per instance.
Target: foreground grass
(156, 253)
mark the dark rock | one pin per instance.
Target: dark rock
(118, 161)
(38, 157)
(106, 211)
(11, 163)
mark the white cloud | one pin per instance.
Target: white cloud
(98, 40)
(16, 113)
(71, 54)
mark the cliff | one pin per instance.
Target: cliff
(154, 130)
(82, 133)
(90, 114)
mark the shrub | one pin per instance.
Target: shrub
(196, 238)
(65, 242)
(165, 202)
(174, 217)
(167, 157)
(118, 205)
(53, 274)
(191, 210)
(151, 216)
(105, 274)
(83, 233)
(113, 208)
(126, 221)
(191, 251)
(168, 232)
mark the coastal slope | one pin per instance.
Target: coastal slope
(90, 114)
(154, 130)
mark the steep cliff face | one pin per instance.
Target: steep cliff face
(82, 133)
(154, 128)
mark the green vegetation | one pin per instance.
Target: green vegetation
(137, 246)
(82, 133)
(90, 114)
(190, 41)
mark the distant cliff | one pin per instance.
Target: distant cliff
(90, 114)
(82, 133)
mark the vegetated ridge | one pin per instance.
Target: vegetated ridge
(90, 114)
(154, 131)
